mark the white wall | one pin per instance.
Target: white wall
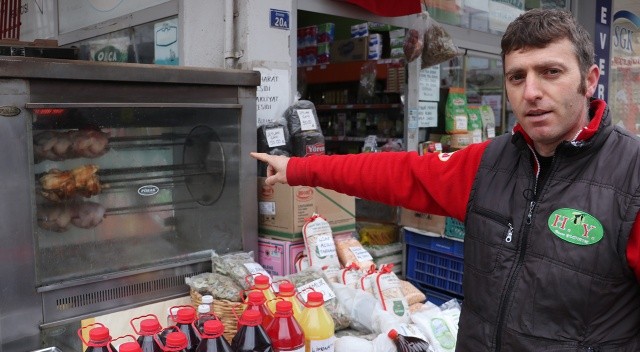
(201, 33)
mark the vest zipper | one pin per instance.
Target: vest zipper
(502, 220)
(522, 247)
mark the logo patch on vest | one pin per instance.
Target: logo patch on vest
(575, 226)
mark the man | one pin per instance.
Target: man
(552, 251)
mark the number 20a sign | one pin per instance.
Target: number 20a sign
(279, 19)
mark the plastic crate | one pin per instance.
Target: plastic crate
(435, 296)
(453, 229)
(435, 262)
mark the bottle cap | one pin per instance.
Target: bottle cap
(130, 347)
(176, 339)
(286, 288)
(213, 327)
(99, 334)
(256, 297)
(251, 318)
(315, 297)
(393, 334)
(150, 327)
(186, 315)
(284, 308)
(203, 309)
(261, 280)
(207, 299)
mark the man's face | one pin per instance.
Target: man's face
(543, 89)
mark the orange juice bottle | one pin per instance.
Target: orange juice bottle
(317, 325)
(287, 291)
(263, 283)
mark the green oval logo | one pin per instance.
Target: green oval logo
(575, 226)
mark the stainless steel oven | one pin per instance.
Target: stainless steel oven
(118, 181)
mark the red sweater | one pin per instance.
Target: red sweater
(434, 183)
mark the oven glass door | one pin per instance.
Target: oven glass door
(123, 188)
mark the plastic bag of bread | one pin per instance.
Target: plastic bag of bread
(412, 293)
(350, 251)
(388, 291)
(318, 243)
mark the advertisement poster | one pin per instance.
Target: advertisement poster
(166, 43)
(624, 78)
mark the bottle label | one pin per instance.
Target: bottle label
(325, 345)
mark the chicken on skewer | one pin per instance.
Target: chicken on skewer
(56, 146)
(60, 185)
(59, 217)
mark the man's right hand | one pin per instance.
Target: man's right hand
(276, 169)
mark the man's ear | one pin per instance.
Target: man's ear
(592, 80)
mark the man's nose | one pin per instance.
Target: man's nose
(532, 88)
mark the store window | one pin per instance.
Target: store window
(148, 43)
(481, 77)
(490, 16)
(624, 75)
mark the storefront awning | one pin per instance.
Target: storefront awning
(388, 8)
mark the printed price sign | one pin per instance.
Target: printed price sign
(307, 121)
(279, 19)
(361, 254)
(275, 137)
(318, 285)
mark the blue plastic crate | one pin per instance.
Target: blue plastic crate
(436, 244)
(435, 262)
(435, 296)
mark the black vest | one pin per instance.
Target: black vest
(527, 286)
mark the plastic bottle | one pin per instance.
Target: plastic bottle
(285, 332)
(99, 338)
(176, 341)
(408, 343)
(130, 347)
(256, 301)
(184, 322)
(212, 339)
(251, 336)
(148, 329)
(208, 300)
(263, 283)
(317, 324)
(204, 314)
(171, 312)
(287, 291)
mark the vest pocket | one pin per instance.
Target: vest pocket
(488, 236)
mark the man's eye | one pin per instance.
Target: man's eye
(553, 71)
(516, 78)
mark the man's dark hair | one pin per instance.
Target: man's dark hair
(538, 28)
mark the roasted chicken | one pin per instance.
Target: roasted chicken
(59, 217)
(56, 146)
(60, 185)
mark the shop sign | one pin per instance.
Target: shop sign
(279, 19)
(603, 23)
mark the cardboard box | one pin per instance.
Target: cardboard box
(283, 209)
(421, 221)
(352, 49)
(278, 257)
